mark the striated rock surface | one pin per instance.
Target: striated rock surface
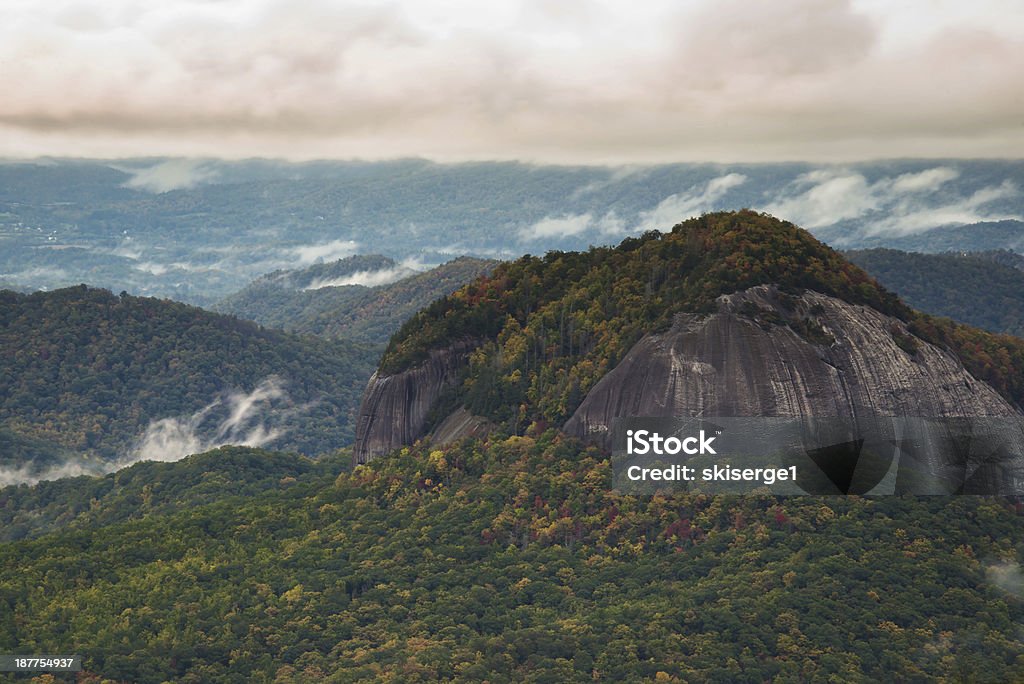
(394, 408)
(460, 425)
(765, 353)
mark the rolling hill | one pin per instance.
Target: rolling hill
(88, 372)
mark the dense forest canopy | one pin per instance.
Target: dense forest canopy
(984, 289)
(507, 561)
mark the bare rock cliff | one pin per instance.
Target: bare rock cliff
(764, 353)
(394, 409)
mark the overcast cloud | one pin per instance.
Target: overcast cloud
(681, 206)
(327, 251)
(593, 81)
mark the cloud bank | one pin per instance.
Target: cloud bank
(695, 201)
(246, 419)
(1007, 576)
(174, 174)
(600, 81)
(901, 205)
(384, 276)
(29, 476)
(670, 211)
(253, 419)
(564, 226)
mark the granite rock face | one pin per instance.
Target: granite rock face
(765, 353)
(394, 409)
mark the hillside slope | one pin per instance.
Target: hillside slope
(148, 489)
(527, 344)
(985, 290)
(363, 298)
(89, 371)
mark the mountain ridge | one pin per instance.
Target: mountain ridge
(305, 301)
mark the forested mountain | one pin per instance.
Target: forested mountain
(985, 290)
(513, 561)
(88, 371)
(362, 298)
(539, 333)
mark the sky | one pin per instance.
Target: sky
(584, 81)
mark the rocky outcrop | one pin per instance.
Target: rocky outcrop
(764, 353)
(394, 409)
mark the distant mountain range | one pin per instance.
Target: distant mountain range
(975, 237)
(199, 230)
